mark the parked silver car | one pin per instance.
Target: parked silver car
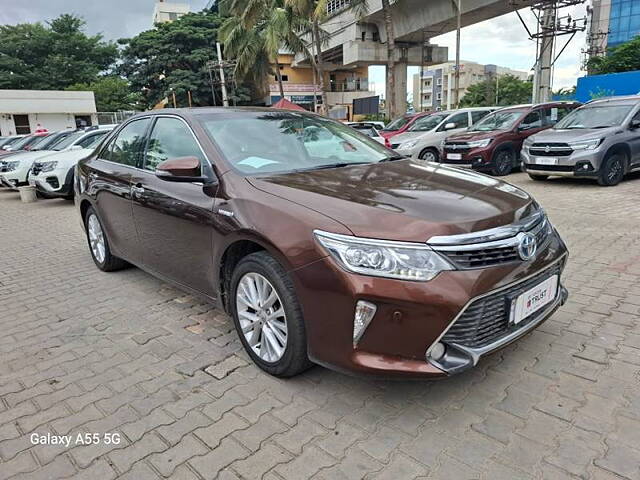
(599, 140)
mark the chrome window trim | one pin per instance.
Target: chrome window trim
(484, 236)
(491, 292)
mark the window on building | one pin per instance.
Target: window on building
(439, 81)
(173, 16)
(22, 124)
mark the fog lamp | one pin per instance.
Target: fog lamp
(437, 351)
(363, 316)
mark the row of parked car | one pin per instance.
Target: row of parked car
(46, 160)
(599, 140)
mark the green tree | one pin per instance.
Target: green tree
(508, 89)
(623, 58)
(112, 94)
(255, 32)
(172, 58)
(52, 56)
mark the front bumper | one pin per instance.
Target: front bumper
(584, 163)
(476, 158)
(56, 183)
(410, 316)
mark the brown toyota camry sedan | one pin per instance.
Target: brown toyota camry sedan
(323, 245)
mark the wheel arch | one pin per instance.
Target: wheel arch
(619, 148)
(84, 206)
(243, 244)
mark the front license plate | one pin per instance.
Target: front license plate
(454, 156)
(546, 160)
(534, 299)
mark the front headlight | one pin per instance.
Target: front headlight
(48, 166)
(480, 143)
(382, 258)
(409, 144)
(11, 166)
(586, 144)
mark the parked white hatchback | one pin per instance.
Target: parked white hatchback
(423, 140)
(53, 175)
(14, 171)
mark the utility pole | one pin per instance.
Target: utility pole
(544, 62)
(225, 99)
(457, 73)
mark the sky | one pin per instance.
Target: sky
(125, 18)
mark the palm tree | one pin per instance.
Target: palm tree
(315, 11)
(255, 34)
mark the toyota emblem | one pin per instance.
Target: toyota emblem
(527, 246)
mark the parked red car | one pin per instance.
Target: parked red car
(493, 145)
(401, 124)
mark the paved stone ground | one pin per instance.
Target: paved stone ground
(87, 352)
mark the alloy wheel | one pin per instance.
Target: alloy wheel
(615, 171)
(503, 162)
(261, 316)
(96, 238)
(429, 156)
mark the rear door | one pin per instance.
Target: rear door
(109, 183)
(174, 219)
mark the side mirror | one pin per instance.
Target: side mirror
(76, 147)
(450, 126)
(634, 125)
(182, 169)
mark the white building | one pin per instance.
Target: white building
(169, 11)
(434, 89)
(25, 111)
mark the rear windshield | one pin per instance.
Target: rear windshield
(283, 142)
(397, 124)
(498, 121)
(595, 116)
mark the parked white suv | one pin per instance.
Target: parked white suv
(423, 140)
(14, 171)
(53, 175)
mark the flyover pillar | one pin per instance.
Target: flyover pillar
(400, 76)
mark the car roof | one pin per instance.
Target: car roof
(625, 100)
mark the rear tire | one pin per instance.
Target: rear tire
(612, 170)
(503, 162)
(264, 304)
(538, 178)
(99, 245)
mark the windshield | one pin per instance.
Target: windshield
(498, 121)
(397, 124)
(66, 141)
(424, 124)
(594, 116)
(282, 142)
(25, 141)
(46, 142)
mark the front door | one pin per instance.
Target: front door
(633, 135)
(174, 219)
(109, 182)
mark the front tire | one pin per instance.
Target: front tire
(612, 170)
(429, 155)
(99, 245)
(268, 317)
(503, 162)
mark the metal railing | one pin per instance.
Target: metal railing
(355, 85)
(108, 118)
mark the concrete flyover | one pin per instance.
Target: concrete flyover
(356, 42)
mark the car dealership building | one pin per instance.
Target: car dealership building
(25, 111)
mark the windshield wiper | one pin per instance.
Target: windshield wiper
(391, 158)
(336, 165)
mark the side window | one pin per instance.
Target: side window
(128, 145)
(460, 119)
(552, 115)
(170, 138)
(478, 115)
(533, 120)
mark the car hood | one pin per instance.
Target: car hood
(402, 200)
(572, 134)
(406, 136)
(470, 136)
(31, 156)
(68, 156)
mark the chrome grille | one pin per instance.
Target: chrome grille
(550, 149)
(494, 253)
(487, 318)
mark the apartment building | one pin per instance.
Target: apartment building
(169, 11)
(434, 87)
